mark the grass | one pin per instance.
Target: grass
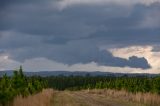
(85, 98)
(40, 99)
(105, 97)
(148, 99)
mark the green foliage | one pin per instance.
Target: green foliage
(131, 84)
(19, 84)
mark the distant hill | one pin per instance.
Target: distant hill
(77, 73)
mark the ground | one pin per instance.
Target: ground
(84, 98)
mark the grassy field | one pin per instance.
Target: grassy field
(85, 98)
(101, 97)
(41, 99)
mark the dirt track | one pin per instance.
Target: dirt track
(83, 98)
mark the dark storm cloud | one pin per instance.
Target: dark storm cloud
(1, 51)
(74, 34)
(100, 57)
(78, 52)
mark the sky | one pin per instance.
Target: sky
(80, 35)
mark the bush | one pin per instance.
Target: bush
(19, 84)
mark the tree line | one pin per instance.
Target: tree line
(131, 84)
(19, 84)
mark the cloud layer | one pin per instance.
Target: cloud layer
(72, 32)
(66, 3)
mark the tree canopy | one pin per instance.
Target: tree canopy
(19, 84)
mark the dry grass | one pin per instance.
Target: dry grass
(145, 98)
(44, 98)
(40, 99)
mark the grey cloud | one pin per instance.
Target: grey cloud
(100, 57)
(2, 51)
(74, 53)
(75, 34)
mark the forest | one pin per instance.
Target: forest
(19, 84)
(131, 84)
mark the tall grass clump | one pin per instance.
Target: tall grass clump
(41, 99)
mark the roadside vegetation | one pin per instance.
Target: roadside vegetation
(40, 99)
(143, 90)
(19, 85)
(148, 99)
(20, 90)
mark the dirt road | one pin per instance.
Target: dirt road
(83, 98)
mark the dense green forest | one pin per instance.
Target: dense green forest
(19, 84)
(131, 84)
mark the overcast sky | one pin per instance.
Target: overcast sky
(80, 35)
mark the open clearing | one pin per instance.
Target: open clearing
(84, 98)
